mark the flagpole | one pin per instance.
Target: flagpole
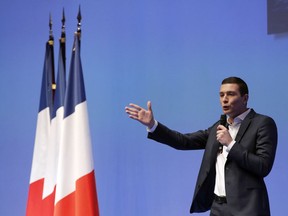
(63, 40)
(51, 46)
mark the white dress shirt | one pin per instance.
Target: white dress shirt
(222, 157)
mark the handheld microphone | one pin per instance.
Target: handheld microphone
(223, 121)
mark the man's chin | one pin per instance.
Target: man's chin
(226, 112)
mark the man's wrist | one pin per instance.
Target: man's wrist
(153, 128)
(230, 145)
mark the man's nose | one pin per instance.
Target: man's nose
(225, 99)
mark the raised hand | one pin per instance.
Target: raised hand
(140, 114)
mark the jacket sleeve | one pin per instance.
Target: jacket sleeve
(189, 141)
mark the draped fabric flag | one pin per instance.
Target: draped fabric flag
(62, 181)
(76, 187)
(37, 205)
(56, 129)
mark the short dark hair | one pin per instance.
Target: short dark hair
(243, 88)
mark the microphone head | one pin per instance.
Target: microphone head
(223, 120)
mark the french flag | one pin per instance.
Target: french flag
(62, 181)
(76, 186)
(50, 180)
(37, 204)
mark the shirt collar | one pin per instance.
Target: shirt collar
(240, 118)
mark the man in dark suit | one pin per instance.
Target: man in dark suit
(238, 154)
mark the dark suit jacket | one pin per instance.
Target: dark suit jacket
(248, 162)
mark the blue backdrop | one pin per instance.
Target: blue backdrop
(174, 53)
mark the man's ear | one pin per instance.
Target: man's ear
(246, 97)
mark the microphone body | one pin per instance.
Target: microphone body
(223, 121)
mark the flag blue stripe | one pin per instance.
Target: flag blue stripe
(75, 92)
(61, 81)
(46, 97)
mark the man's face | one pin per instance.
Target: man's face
(233, 104)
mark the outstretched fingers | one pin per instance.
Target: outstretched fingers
(133, 111)
(132, 114)
(140, 114)
(135, 106)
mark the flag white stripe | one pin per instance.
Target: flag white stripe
(53, 152)
(75, 153)
(40, 145)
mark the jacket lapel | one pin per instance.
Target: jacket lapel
(244, 125)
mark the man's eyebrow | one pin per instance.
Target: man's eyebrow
(227, 92)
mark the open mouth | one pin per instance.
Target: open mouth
(225, 108)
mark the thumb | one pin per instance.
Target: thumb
(149, 106)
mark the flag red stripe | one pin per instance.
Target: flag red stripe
(36, 205)
(83, 201)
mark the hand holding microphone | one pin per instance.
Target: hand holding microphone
(222, 134)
